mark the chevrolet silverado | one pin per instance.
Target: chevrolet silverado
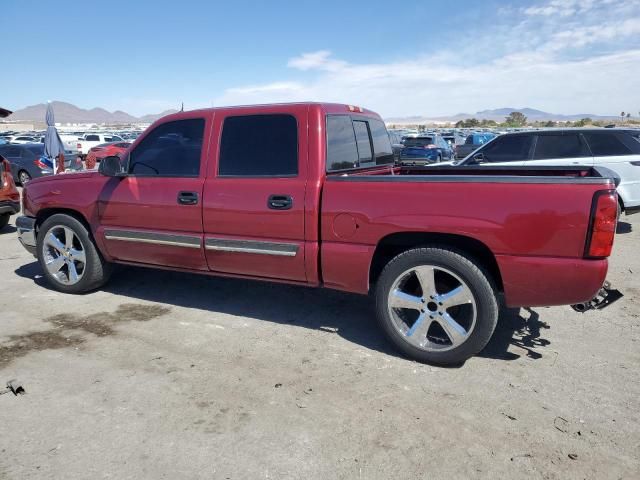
(308, 194)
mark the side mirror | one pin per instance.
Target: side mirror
(111, 167)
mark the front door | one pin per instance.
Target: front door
(254, 195)
(154, 214)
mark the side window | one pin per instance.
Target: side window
(12, 152)
(469, 140)
(170, 150)
(342, 152)
(381, 144)
(365, 155)
(559, 146)
(92, 138)
(606, 144)
(116, 138)
(510, 148)
(259, 145)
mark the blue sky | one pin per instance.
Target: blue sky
(399, 58)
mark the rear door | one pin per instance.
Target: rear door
(154, 214)
(561, 148)
(254, 195)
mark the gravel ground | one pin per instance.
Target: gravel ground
(165, 375)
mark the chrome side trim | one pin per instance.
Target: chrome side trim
(251, 246)
(169, 239)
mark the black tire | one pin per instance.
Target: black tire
(476, 279)
(24, 177)
(96, 270)
(4, 220)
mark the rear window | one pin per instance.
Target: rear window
(35, 148)
(356, 143)
(342, 153)
(418, 142)
(608, 144)
(559, 146)
(259, 146)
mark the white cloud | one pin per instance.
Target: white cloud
(571, 56)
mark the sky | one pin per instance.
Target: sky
(429, 58)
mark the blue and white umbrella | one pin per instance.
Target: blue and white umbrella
(53, 146)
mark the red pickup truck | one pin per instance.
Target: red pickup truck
(309, 194)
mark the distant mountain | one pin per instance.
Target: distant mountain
(69, 113)
(499, 115)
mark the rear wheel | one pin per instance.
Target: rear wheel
(436, 305)
(24, 177)
(68, 256)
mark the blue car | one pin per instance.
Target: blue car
(425, 149)
(28, 161)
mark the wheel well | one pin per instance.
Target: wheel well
(394, 244)
(47, 212)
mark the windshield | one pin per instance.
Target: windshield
(418, 142)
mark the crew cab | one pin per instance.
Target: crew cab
(308, 194)
(90, 140)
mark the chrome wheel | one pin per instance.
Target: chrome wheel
(432, 308)
(64, 255)
(24, 177)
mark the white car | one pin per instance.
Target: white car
(22, 139)
(91, 140)
(617, 149)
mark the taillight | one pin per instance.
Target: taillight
(79, 146)
(430, 146)
(40, 164)
(602, 225)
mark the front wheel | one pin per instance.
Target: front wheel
(436, 305)
(68, 256)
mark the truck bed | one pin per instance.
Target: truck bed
(534, 221)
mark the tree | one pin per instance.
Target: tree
(516, 119)
(550, 124)
(583, 122)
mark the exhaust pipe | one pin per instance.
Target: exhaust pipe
(605, 297)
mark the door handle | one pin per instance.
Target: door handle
(280, 202)
(188, 198)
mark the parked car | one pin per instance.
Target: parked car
(96, 154)
(22, 139)
(615, 149)
(9, 195)
(425, 149)
(396, 145)
(91, 140)
(472, 143)
(28, 161)
(308, 194)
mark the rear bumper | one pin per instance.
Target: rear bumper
(548, 281)
(9, 206)
(27, 233)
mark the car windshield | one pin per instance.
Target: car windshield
(418, 142)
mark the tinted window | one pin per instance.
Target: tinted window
(171, 149)
(559, 146)
(365, 156)
(259, 145)
(509, 148)
(342, 152)
(608, 144)
(418, 142)
(116, 138)
(13, 152)
(92, 138)
(381, 144)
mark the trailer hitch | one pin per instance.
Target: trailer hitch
(605, 297)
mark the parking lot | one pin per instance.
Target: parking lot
(166, 375)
